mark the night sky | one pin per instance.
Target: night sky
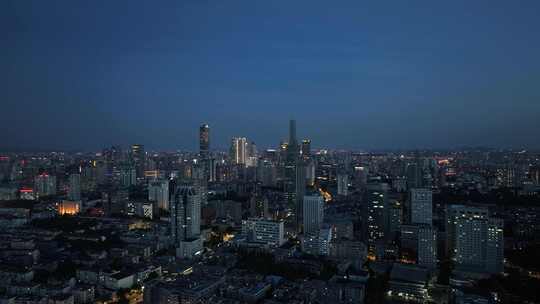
(388, 74)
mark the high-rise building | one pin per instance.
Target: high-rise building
(74, 191)
(204, 141)
(300, 190)
(295, 175)
(395, 217)
(128, 176)
(495, 246)
(263, 231)
(342, 184)
(415, 173)
(212, 166)
(45, 184)
(138, 157)
(421, 206)
(318, 242)
(475, 240)
(310, 173)
(251, 155)
(313, 213)
(374, 215)
(239, 150)
(158, 191)
(427, 246)
(185, 221)
(306, 148)
(204, 152)
(292, 147)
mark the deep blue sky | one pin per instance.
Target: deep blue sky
(383, 74)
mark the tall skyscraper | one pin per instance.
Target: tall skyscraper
(158, 191)
(295, 175)
(186, 221)
(310, 173)
(204, 141)
(292, 147)
(495, 246)
(239, 150)
(306, 148)
(128, 176)
(317, 243)
(300, 190)
(475, 240)
(342, 184)
(374, 215)
(427, 246)
(421, 206)
(313, 212)
(415, 173)
(204, 151)
(138, 157)
(74, 191)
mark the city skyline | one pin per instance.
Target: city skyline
(355, 76)
(225, 148)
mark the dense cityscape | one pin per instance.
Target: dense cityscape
(288, 224)
(269, 152)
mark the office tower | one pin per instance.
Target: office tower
(263, 231)
(158, 191)
(360, 176)
(300, 190)
(318, 242)
(495, 246)
(409, 241)
(267, 173)
(283, 150)
(292, 147)
(185, 221)
(374, 215)
(342, 184)
(427, 246)
(421, 206)
(310, 173)
(74, 191)
(111, 158)
(475, 240)
(212, 166)
(128, 176)
(395, 218)
(415, 173)
(114, 202)
(204, 141)
(306, 148)
(251, 155)
(294, 171)
(200, 182)
(45, 184)
(313, 212)
(204, 150)
(239, 153)
(138, 157)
